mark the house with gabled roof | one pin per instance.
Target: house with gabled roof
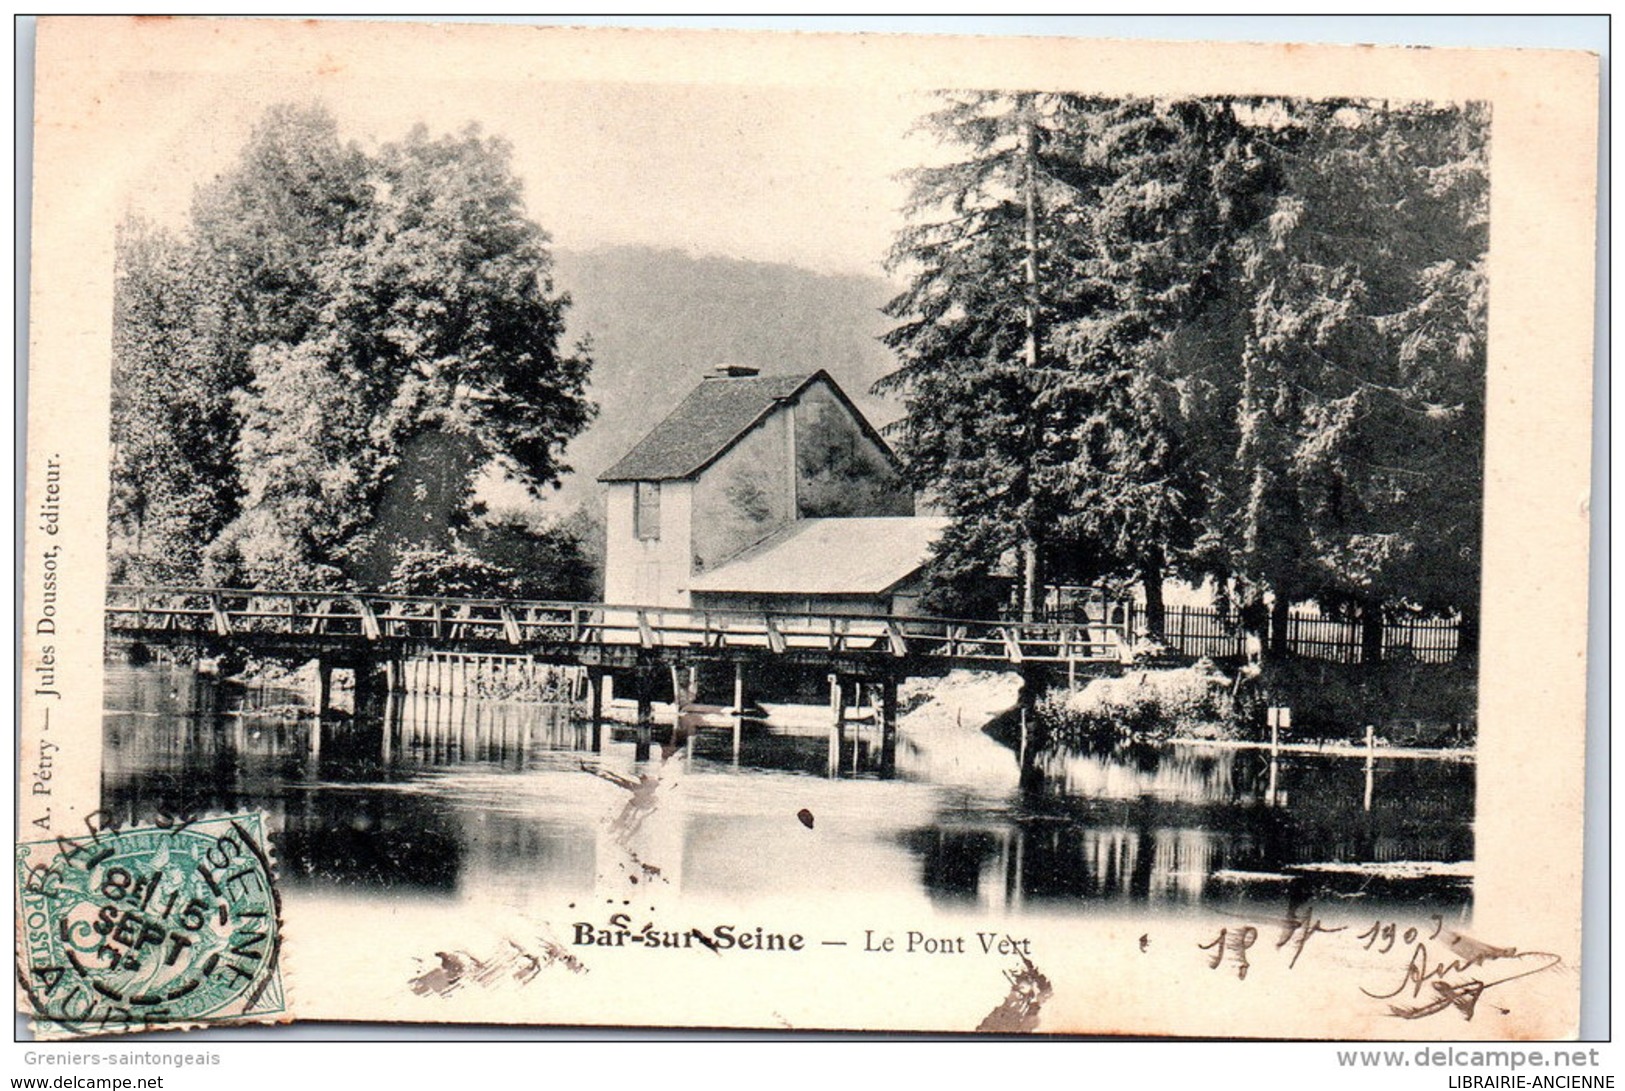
(764, 492)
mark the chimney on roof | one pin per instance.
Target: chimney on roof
(733, 371)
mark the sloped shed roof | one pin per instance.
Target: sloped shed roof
(859, 556)
(704, 425)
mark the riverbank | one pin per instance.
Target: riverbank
(1150, 705)
(1334, 749)
(1407, 707)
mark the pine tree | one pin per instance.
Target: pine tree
(1332, 381)
(989, 277)
(1371, 307)
(1237, 338)
(1168, 186)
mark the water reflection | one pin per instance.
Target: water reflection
(1188, 823)
(452, 797)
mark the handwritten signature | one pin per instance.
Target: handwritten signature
(1440, 984)
(1456, 979)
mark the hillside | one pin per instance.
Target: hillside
(660, 319)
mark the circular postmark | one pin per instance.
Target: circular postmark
(148, 927)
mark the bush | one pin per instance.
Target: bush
(543, 560)
(448, 572)
(1151, 705)
(502, 558)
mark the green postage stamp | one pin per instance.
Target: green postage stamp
(166, 925)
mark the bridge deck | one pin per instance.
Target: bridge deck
(316, 623)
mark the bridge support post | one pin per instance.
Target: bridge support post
(837, 707)
(363, 697)
(393, 715)
(888, 728)
(324, 686)
(646, 712)
(1021, 746)
(679, 696)
(646, 705)
(738, 706)
(595, 687)
(1030, 683)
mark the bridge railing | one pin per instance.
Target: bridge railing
(179, 613)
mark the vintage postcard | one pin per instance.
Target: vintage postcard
(804, 531)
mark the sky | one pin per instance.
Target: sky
(806, 176)
(796, 172)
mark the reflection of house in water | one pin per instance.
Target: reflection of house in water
(764, 492)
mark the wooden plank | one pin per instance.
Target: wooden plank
(369, 620)
(894, 638)
(775, 639)
(222, 621)
(646, 635)
(510, 626)
(1012, 647)
(319, 621)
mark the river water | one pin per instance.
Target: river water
(451, 797)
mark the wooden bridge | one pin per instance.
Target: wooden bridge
(376, 635)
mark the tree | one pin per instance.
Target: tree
(361, 305)
(304, 465)
(1053, 268)
(1356, 470)
(1167, 187)
(1241, 338)
(989, 278)
(172, 427)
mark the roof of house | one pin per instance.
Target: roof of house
(857, 556)
(704, 425)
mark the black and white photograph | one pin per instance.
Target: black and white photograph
(926, 548)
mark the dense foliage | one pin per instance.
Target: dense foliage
(1227, 338)
(309, 377)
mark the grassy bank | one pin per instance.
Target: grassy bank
(1406, 704)
(1151, 705)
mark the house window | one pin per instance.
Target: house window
(646, 511)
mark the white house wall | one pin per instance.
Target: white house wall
(651, 572)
